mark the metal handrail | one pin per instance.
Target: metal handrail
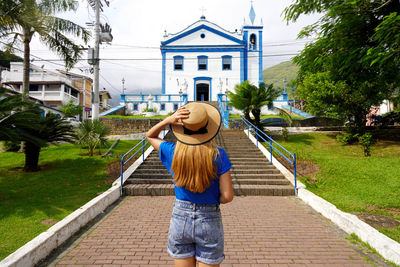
(143, 143)
(271, 142)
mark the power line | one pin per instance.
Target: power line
(41, 59)
(186, 58)
(112, 87)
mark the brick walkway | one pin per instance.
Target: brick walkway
(259, 231)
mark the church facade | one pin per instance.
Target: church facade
(205, 60)
(202, 62)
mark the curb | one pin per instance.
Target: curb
(387, 247)
(42, 245)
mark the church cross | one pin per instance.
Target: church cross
(202, 11)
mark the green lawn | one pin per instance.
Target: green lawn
(32, 202)
(349, 180)
(134, 117)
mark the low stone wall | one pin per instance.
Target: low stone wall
(317, 121)
(390, 133)
(129, 126)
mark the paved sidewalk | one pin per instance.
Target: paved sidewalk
(259, 231)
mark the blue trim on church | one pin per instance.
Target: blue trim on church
(199, 46)
(260, 58)
(163, 73)
(201, 27)
(179, 50)
(241, 66)
(252, 27)
(245, 59)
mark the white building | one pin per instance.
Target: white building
(203, 61)
(53, 88)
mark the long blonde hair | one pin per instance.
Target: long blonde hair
(194, 166)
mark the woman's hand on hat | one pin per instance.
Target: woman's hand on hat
(178, 116)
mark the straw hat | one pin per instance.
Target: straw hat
(202, 125)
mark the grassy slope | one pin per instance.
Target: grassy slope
(349, 180)
(275, 74)
(66, 182)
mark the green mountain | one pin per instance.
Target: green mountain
(275, 74)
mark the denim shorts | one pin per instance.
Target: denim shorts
(196, 230)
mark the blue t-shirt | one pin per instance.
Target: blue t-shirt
(212, 193)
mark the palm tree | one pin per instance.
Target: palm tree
(34, 16)
(241, 98)
(52, 130)
(262, 97)
(92, 134)
(16, 117)
(250, 98)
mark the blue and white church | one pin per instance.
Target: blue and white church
(203, 61)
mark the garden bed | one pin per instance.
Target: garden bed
(343, 176)
(33, 202)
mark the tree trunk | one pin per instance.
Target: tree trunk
(360, 119)
(32, 153)
(27, 51)
(257, 117)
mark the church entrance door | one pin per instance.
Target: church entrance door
(202, 92)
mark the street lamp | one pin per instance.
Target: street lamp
(123, 85)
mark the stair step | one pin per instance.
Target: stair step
(136, 175)
(236, 171)
(257, 176)
(254, 171)
(242, 181)
(244, 159)
(239, 190)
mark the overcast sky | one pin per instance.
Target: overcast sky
(138, 27)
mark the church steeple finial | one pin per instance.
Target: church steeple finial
(252, 13)
(202, 13)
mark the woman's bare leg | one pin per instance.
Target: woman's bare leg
(187, 262)
(207, 265)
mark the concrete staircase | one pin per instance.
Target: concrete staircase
(251, 172)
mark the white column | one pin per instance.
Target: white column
(95, 105)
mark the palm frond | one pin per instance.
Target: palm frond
(55, 6)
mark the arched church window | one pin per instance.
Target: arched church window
(202, 62)
(253, 42)
(178, 62)
(226, 62)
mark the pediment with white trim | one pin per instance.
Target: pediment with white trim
(203, 33)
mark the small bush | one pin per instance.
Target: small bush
(92, 134)
(150, 110)
(347, 138)
(11, 146)
(285, 133)
(366, 140)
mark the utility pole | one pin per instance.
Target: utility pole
(123, 85)
(96, 67)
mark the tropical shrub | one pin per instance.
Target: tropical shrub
(150, 110)
(92, 135)
(52, 130)
(71, 110)
(250, 98)
(366, 141)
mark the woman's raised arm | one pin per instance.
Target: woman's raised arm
(152, 134)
